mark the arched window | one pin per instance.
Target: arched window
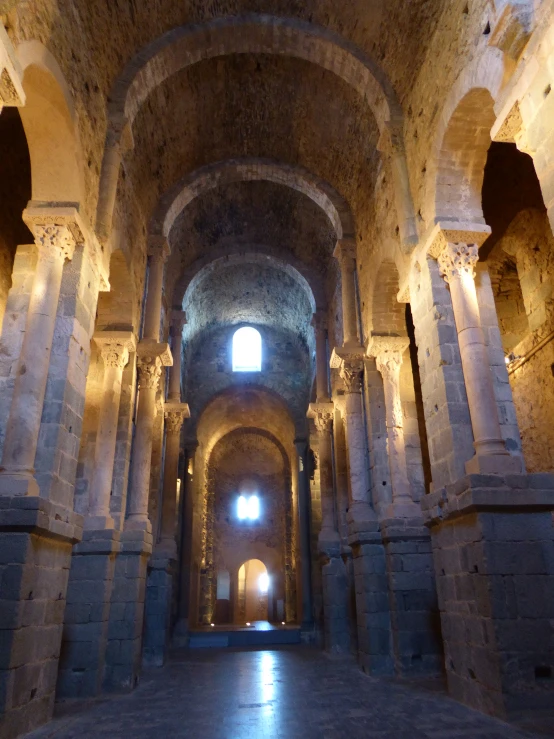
(248, 507)
(247, 350)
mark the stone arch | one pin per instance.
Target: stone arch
(463, 138)
(250, 170)
(252, 33)
(249, 34)
(48, 118)
(194, 273)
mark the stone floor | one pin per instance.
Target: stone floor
(285, 693)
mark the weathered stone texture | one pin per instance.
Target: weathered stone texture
(494, 564)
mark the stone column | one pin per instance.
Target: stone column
(351, 368)
(175, 414)
(322, 415)
(345, 254)
(129, 592)
(457, 262)
(158, 253)
(304, 532)
(334, 578)
(36, 534)
(415, 641)
(114, 349)
(55, 243)
(319, 322)
(373, 618)
(93, 562)
(151, 357)
(388, 351)
(178, 320)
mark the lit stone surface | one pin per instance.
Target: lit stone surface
(367, 188)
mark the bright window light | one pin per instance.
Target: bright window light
(247, 350)
(263, 582)
(248, 507)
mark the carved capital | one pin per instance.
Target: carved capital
(151, 357)
(57, 230)
(458, 259)
(53, 242)
(175, 414)
(322, 415)
(351, 374)
(149, 372)
(173, 421)
(115, 347)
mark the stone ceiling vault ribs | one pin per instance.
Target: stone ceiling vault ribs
(250, 34)
(286, 257)
(254, 34)
(249, 169)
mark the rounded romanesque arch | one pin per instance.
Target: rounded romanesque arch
(249, 34)
(462, 141)
(48, 118)
(251, 170)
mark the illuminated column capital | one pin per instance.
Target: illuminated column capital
(458, 260)
(455, 246)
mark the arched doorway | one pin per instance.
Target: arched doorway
(252, 592)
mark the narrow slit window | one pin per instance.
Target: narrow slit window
(247, 350)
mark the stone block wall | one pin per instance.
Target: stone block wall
(373, 616)
(34, 570)
(494, 564)
(124, 649)
(62, 415)
(415, 621)
(87, 612)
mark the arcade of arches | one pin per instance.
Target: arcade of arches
(369, 186)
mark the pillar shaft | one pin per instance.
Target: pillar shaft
(351, 373)
(304, 526)
(55, 244)
(322, 414)
(114, 349)
(151, 357)
(178, 320)
(345, 253)
(322, 384)
(174, 417)
(388, 352)
(457, 265)
(158, 252)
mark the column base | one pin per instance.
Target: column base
(493, 550)
(336, 623)
(162, 571)
(124, 650)
(372, 603)
(139, 523)
(414, 611)
(180, 636)
(13, 485)
(36, 538)
(494, 464)
(87, 613)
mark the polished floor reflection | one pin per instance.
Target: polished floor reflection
(286, 693)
